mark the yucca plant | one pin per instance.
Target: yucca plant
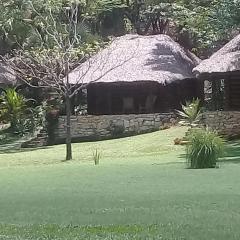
(204, 149)
(191, 113)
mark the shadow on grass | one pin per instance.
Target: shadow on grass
(22, 150)
(232, 154)
(182, 156)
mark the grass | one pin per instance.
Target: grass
(148, 147)
(140, 190)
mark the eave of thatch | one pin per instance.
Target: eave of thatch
(7, 76)
(224, 61)
(134, 58)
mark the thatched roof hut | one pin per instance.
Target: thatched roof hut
(224, 61)
(133, 69)
(222, 70)
(133, 58)
(7, 76)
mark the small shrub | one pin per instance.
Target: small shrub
(117, 130)
(204, 148)
(96, 157)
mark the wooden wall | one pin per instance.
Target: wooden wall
(105, 98)
(233, 92)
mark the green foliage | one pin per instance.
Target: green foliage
(35, 118)
(104, 6)
(24, 23)
(191, 113)
(14, 108)
(116, 130)
(96, 157)
(206, 23)
(204, 148)
(200, 25)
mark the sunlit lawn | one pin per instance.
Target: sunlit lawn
(141, 190)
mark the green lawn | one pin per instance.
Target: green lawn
(140, 190)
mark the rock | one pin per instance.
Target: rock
(105, 125)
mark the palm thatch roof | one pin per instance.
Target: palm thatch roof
(7, 76)
(132, 58)
(226, 60)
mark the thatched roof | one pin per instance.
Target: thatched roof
(227, 59)
(133, 58)
(7, 76)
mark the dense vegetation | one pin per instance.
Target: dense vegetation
(196, 24)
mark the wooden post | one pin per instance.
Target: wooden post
(226, 94)
(68, 135)
(109, 102)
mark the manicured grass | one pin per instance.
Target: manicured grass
(140, 190)
(157, 146)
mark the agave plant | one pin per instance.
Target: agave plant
(191, 113)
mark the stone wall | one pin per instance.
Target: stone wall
(224, 122)
(112, 126)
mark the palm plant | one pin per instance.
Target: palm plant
(13, 107)
(191, 113)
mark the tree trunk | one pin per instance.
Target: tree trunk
(69, 136)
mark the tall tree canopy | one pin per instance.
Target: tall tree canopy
(198, 24)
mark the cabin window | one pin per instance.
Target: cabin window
(215, 94)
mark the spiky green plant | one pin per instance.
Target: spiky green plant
(191, 113)
(96, 157)
(204, 148)
(13, 108)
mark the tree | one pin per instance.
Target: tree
(106, 17)
(49, 65)
(200, 25)
(14, 30)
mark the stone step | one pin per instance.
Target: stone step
(42, 135)
(43, 132)
(38, 141)
(29, 141)
(34, 145)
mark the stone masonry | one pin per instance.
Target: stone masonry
(109, 126)
(226, 123)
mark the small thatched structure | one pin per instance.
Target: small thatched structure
(138, 74)
(7, 76)
(222, 70)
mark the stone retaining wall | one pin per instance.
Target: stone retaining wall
(111, 126)
(224, 122)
